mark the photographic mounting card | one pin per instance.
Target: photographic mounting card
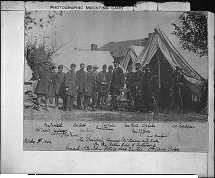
(97, 35)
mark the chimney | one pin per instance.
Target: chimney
(93, 47)
(150, 34)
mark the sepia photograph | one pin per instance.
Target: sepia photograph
(115, 81)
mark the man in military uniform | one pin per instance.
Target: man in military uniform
(59, 82)
(80, 80)
(148, 89)
(178, 89)
(94, 72)
(71, 87)
(110, 75)
(117, 84)
(51, 93)
(102, 83)
(138, 83)
(90, 89)
(130, 77)
(42, 88)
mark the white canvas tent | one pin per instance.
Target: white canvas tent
(28, 84)
(27, 72)
(131, 56)
(174, 58)
(98, 58)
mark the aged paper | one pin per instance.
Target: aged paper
(120, 134)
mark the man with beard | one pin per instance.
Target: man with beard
(80, 80)
(117, 84)
(90, 89)
(102, 83)
(130, 77)
(42, 88)
(60, 91)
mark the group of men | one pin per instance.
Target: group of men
(85, 85)
(90, 85)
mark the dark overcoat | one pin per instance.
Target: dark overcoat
(130, 78)
(81, 80)
(60, 83)
(44, 77)
(90, 84)
(70, 82)
(102, 82)
(51, 92)
(117, 81)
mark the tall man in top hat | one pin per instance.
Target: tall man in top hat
(117, 83)
(81, 81)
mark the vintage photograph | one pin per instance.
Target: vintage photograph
(115, 81)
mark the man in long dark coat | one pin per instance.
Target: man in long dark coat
(138, 82)
(59, 82)
(102, 84)
(71, 87)
(80, 80)
(94, 72)
(130, 78)
(90, 89)
(42, 88)
(51, 93)
(178, 90)
(117, 84)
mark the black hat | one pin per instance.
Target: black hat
(72, 65)
(60, 67)
(110, 67)
(82, 64)
(89, 67)
(104, 66)
(116, 60)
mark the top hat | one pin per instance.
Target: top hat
(116, 60)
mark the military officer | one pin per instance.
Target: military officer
(90, 89)
(81, 81)
(71, 87)
(130, 78)
(42, 88)
(138, 82)
(60, 91)
(102, 83)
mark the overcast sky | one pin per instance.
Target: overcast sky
(83, 28)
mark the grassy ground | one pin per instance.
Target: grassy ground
(123, 115)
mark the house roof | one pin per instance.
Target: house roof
(119, 49)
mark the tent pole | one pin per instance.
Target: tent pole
(159, 71)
